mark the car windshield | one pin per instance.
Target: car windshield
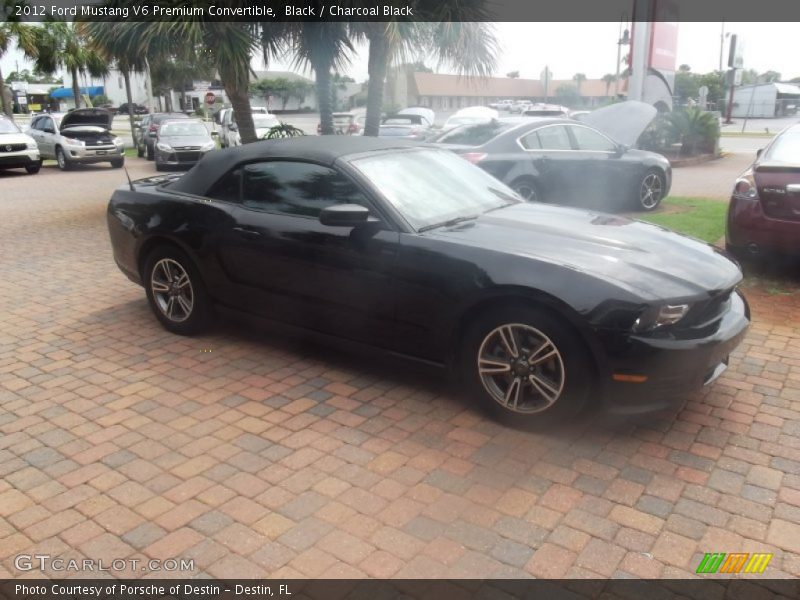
(431, 187)
(411, 120)
(261, 121)
(8, 126)
(453, 121)
(786, 148)
(475, 135)
(180, 129)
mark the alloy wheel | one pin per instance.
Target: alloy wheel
(172, 290)
(651, 191)
(521, 368)
(526, 191)
(61, 159)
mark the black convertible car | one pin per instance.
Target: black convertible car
(415, 251)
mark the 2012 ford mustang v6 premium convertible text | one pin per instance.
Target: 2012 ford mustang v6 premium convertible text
(414, 250)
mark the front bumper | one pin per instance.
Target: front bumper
(94, 154)
(23, 158)
(179, 159)
(674, 366)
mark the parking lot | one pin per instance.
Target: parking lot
(256, 455)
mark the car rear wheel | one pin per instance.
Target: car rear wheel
(33, 169)
(148, 152)
(526, 188)
(175, 291)
(651, 191)
(139, 151)
(526, 365)
(61, 158)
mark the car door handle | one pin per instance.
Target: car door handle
(248, 232)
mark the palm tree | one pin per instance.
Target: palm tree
(324, 47)
(468, 46)
(579, 78)
(64, 45)
(25, 40)
(112, 40)
(608, 79)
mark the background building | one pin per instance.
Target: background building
(766, 100)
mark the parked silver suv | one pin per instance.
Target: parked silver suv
(81, 136)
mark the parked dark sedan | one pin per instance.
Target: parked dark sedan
(182, 143)
(412, 250)
(147, 133)
(564, 161)
(764, 211)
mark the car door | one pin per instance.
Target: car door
(47, 139)
(291, 268)
(549, 149)
(604, 177)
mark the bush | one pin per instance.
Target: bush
(696, 130)
(284, 130)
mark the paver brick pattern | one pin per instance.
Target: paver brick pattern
(256, 455)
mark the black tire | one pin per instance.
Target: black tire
(33, 169)
(149, 153)
(655, 183)
(183, 322)
(527, 188)
(159, 166)
(118, 163)
(139, 151)
(61, 158)
(570, 371)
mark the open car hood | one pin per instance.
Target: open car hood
(623, 122)
(95, 117)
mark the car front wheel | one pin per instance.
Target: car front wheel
(33, 169)
(651, 191)
(526, 188)
(148, 152)
(61, 158)
(526, 365)
(175, 291)
(118, 163)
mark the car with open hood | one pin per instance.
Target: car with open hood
(590, 163)
(182, 143)
(79, 137)
(17, 150)
(764, 210)
(412, 251)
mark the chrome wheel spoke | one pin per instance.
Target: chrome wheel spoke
(493, 366)
(170, 309)
(182, 281)
(160, 287)
(513, 393)
(172, 290)
(184, 304)
(507, 338)
(544, 387)
(542, 354)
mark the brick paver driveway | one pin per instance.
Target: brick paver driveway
(259, 456)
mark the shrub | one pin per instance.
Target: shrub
(284, 130)
(696, 130)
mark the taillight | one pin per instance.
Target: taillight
(745, 187)
(474, 157)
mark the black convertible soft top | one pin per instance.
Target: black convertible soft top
(324, 150)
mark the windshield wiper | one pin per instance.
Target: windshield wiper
(448, 223)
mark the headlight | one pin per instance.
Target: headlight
(118, 141)
(208, 146)
(660, 316)
(745, 187)
(74, 142)
(164, 147)
(31, 146)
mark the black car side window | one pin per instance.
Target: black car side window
(554, 137)
(590, 140)
(228, 188)
(531, 141)
(296, 188)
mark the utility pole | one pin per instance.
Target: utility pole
(721, 45)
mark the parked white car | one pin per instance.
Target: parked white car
(17, 149)
(229, 129)
(81, 136)
(470, 116)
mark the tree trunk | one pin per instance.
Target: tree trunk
(76, 88)
(377, 65)
(323, 73)
(183, 98)
(127, 77)
(240, 101)
(7, 106)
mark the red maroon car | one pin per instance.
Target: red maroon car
(764, 212)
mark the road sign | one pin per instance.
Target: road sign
(210, 98)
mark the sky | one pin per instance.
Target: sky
(591, 48)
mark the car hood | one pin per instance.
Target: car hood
(15, 138)
(623, 121)
(644, 259)
(180, 141)
(96, 117)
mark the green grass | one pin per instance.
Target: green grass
(130, 152)
(697, 217)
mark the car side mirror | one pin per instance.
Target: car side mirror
(758, 152)
(233, 127)
(344, 215)
(49, 130)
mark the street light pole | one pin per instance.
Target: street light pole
(721, 45)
